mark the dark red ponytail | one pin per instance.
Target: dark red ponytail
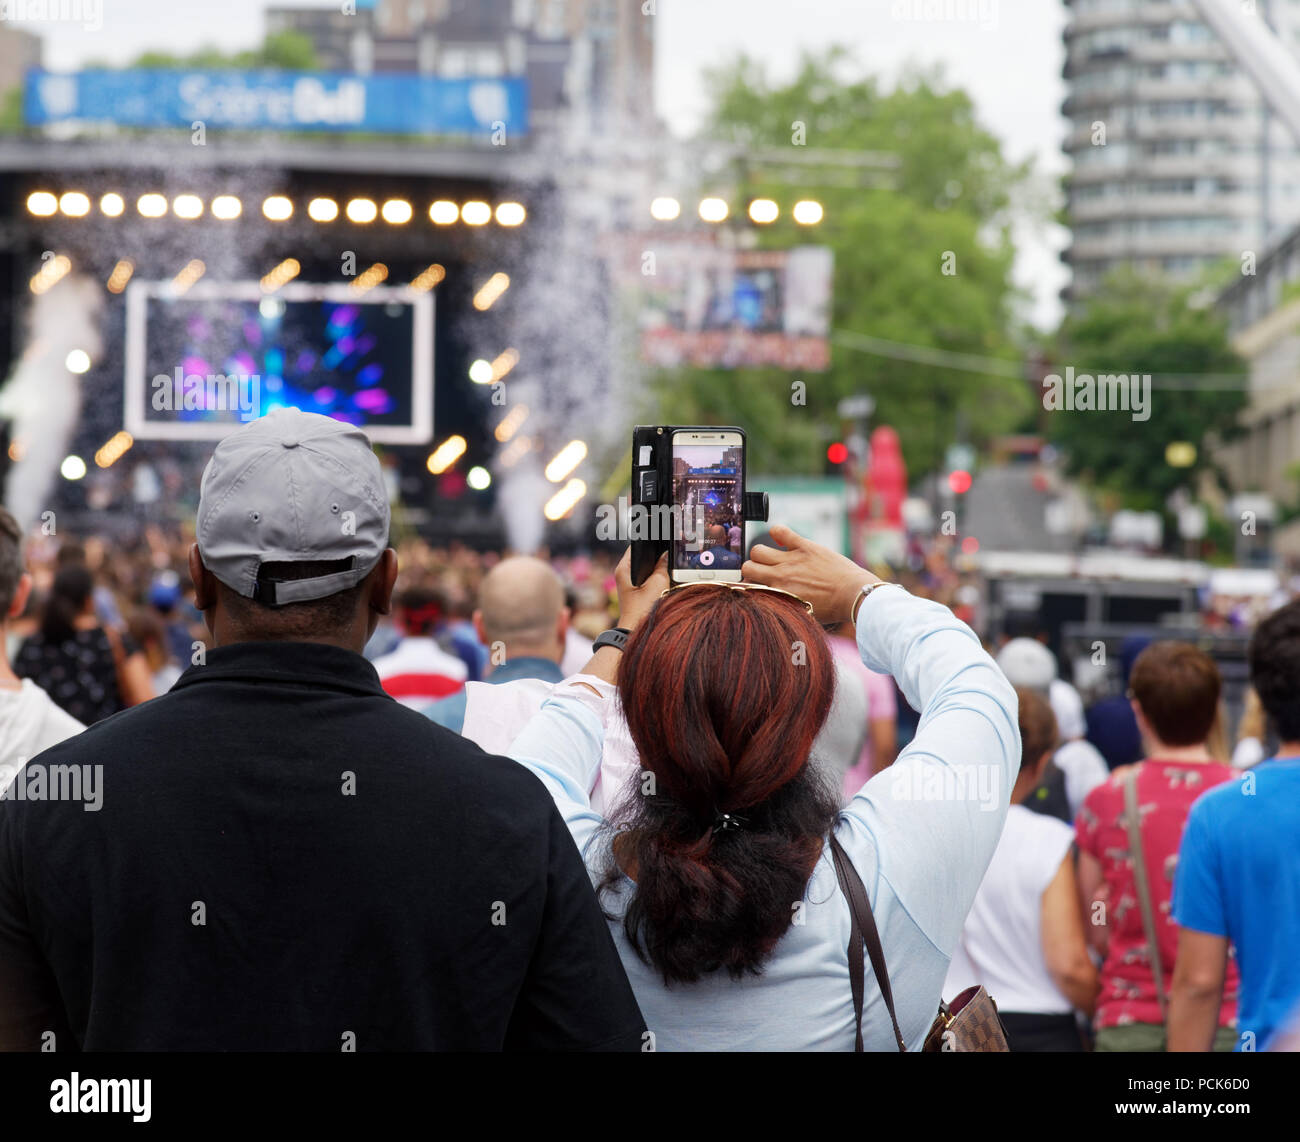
(724, 692)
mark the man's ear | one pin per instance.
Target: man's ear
(480, 631)
(205, 583)
(21, 591)
(382, 581)
(562, 625)
(1143, 727)
(1041, 764)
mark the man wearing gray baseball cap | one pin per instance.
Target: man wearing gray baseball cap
(286, 858)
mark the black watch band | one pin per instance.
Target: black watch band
(617, 638)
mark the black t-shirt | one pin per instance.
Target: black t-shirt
(79, 673)
(283, 857)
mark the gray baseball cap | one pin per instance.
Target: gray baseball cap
(292, 487)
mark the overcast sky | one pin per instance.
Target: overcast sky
(1006, 53)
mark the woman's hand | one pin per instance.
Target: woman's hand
(825, 578)
(634, 603)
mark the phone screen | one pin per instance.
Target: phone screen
(709, 488)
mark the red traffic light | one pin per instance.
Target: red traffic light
(837, 453)
(959, 481)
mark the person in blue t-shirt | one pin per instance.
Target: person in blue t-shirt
(1238, 876)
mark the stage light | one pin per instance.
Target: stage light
(271, 308)
(506, 360)
(713, 210)
(192, 271)
(361, 211)
(443, 212)
(480, 372)
(490, 290)
(111, 204)
(121, 275)
(74, 204)
(51, 271)
(371, 278)
(277, 208)
(114, 449)
(763, 211)
(42, 203)
(807, 212)
(78, 361)
(428, 278)
(510, 214)
(565, 500)
(665, 209)
(286, 271)
(511, 423)
(446, 454)
(72, 468)
(151, 205)
(519, 446)
(322, 210)
(226, 207)
(475, 213)
(565, 460)
(397, 212)
(187, 206)
(480, 479)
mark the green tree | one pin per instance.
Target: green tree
(287, 50)
(924, 260)
(1148, 325)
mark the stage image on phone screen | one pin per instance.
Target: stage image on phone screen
(709, 477)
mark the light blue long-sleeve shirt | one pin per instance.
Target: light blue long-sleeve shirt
(920, 834)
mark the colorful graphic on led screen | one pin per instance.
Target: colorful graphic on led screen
(201, 364)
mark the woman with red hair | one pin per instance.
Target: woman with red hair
(716, 871)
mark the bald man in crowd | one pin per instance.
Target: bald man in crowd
(522, 620)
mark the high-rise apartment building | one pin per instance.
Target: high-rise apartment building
(1177, 162)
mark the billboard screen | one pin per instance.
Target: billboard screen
(278, 100)
(714, 307)
(201, 363)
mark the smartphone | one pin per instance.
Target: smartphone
(708, 486)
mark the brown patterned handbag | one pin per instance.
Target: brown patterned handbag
(969, 1023)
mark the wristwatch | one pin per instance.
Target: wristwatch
(616, 637)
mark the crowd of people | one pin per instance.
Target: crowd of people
(349, 789)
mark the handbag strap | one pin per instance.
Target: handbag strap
(1133, 822)
(862, 929)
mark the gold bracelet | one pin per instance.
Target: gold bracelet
(867, 588)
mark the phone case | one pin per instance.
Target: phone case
(652, 483)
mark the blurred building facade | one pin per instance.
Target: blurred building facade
(1263, 312)
(589, 63)
(19, 50)
(1177, 162)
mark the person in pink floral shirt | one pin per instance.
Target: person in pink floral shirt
(1174, 688)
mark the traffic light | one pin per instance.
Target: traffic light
(837, 453)
(959, 481)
